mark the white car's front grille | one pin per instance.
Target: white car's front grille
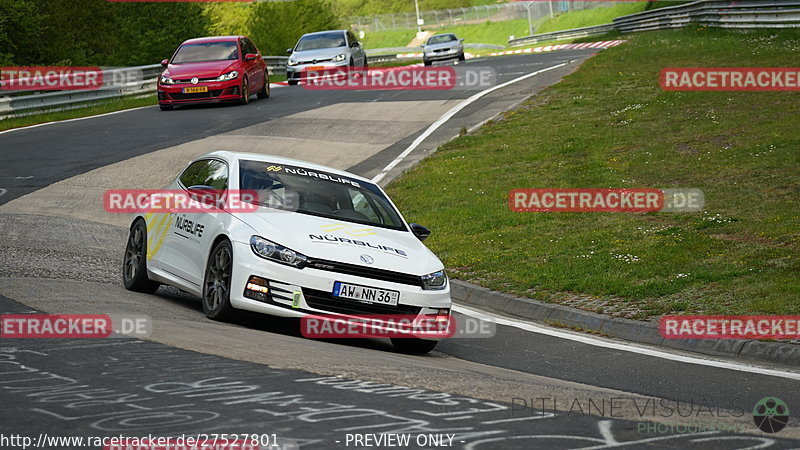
(366, 272)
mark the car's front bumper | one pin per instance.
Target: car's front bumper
(314, 288)
(438, 56)
(300, 71)
(218, 91)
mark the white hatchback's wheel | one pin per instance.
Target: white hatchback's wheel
(217, 282)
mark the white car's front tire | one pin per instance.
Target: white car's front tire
(217, 282)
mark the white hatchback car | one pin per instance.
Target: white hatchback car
(317, 241)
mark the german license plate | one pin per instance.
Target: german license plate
(195, 89)
(365, 294)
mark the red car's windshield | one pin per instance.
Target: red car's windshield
(210, 51)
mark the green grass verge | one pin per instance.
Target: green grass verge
(483, 33)
(610, 125)
(498, 32)
(589, 17)
(93, 110)
(386, 39)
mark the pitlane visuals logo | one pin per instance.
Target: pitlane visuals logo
(771, 414)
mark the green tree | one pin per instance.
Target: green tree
(275, 26)
(228, 18)
(149, 32)
(95, 32)
(20, 31)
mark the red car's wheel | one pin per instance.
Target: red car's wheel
(264, 92)
(245, 92)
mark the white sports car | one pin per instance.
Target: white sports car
(316, 241)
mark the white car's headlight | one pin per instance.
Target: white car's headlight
(435, 281)
(167, 80)
(228, 76)
(291, 62)
(276, 252)
(338, 58)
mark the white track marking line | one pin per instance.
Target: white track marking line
(605, 430)
(448, 115)
(74, 120)
(2, 192)
(271, 86)
(626, 347)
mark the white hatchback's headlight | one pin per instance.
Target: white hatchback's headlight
(228, 76)
(167, 80)
(291, 62)
(338, 58)
(276, 252)
(435, 281)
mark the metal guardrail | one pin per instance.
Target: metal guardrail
(743, 15)
(746, 15)
(144, 81)
(574, 33)
(21, 105)
(275, 64)
(389, 50)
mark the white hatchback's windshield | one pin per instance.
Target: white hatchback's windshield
(321, 40)
(318, 194)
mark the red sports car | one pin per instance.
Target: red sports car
(213, 69)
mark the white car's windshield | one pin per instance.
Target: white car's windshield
(210, 51)
(318, 193)
(321, 40)
(441, 39)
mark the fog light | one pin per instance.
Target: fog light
(442, 315)
(257, 289)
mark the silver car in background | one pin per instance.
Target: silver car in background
(324, 50)
(441, 47)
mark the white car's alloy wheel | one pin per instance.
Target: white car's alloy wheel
(217, 282)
